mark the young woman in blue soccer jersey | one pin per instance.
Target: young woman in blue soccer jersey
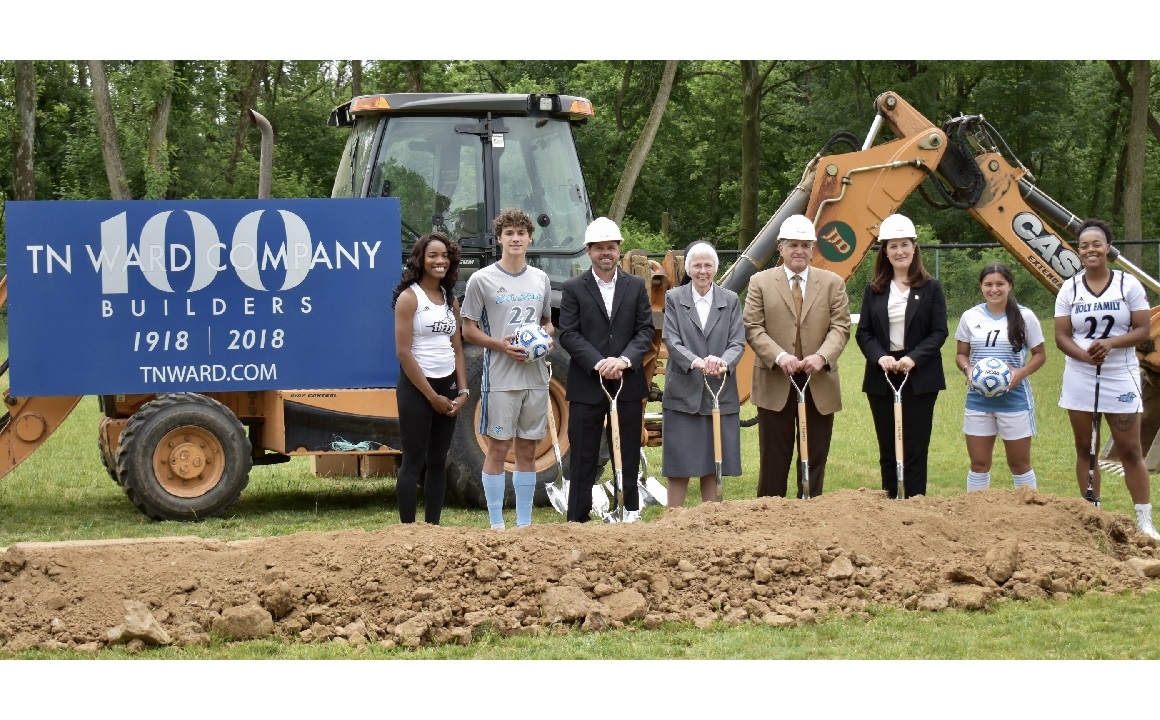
(1100, 316)
(1000, 328)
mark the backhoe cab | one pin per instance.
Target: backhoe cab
(456, 161)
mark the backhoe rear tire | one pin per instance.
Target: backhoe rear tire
(465, 458)
(183, 456)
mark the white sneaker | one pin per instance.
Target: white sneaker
(1145, 526)
(631, 516)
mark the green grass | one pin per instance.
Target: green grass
(62, 492)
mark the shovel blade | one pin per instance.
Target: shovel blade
(654, 493)
(558, 497)
(600, 505)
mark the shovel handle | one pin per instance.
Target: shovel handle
(898, 432)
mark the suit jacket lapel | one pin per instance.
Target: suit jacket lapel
(813, 289)
(781, 282)
(617, 293)
(881, 309)
(685, 298)
(913, 298)
(590, 283)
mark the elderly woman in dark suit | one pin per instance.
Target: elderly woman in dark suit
(901, 331)
(705, 339)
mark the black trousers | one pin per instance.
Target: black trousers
(426, 437)
(917, 420)
(777, 433)
(585, 426)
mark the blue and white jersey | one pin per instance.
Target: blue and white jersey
(500, 302)
(1108, 314)
(987, 335)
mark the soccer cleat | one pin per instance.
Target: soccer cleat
(631, 516)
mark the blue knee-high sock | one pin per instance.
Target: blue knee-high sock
(493, 493)
(1027, 478)
(978, 481)
(525, 484)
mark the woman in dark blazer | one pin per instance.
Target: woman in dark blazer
(705, 338)
(901, 331)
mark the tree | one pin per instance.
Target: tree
(24, 175)
(255, 73)
(1136, 148)
(157, 161)
(107, 129)
(640, 149)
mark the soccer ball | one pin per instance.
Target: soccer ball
(534, 340)
(991, 377)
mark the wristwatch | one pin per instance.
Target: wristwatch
(464, 391)
(626, 361)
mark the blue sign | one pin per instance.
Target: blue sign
(201, 295)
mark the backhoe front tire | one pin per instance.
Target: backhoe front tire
(183, 456)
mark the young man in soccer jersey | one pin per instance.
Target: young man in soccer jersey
(514, 393)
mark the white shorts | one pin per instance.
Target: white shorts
(1007, 425)
(1119, 392)
(504, 414)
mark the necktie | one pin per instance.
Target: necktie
(797, 304)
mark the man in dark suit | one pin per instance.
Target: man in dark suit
(606, 326)
(797, 320)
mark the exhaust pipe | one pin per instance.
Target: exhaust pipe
(266, 161)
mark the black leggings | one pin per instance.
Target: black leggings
(426, 438)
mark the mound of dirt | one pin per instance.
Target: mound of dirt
(773, 561)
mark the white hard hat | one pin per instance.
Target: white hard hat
(797, 227)
(600, 230)
(895, 227)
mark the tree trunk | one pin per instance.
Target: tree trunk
(356, 78)
(750, 151)
(643, 144)
(1122, 79)
(246, 101)
(415, 76)
(24, 173)
(107, 129)
(1134, 172)
(157, 171)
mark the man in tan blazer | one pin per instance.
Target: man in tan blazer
(805, 348)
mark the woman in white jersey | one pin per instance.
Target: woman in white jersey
(1100, 316)
(1000, 328)
(434, 379)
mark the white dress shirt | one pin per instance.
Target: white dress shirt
(703, 304)
(607, 289)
